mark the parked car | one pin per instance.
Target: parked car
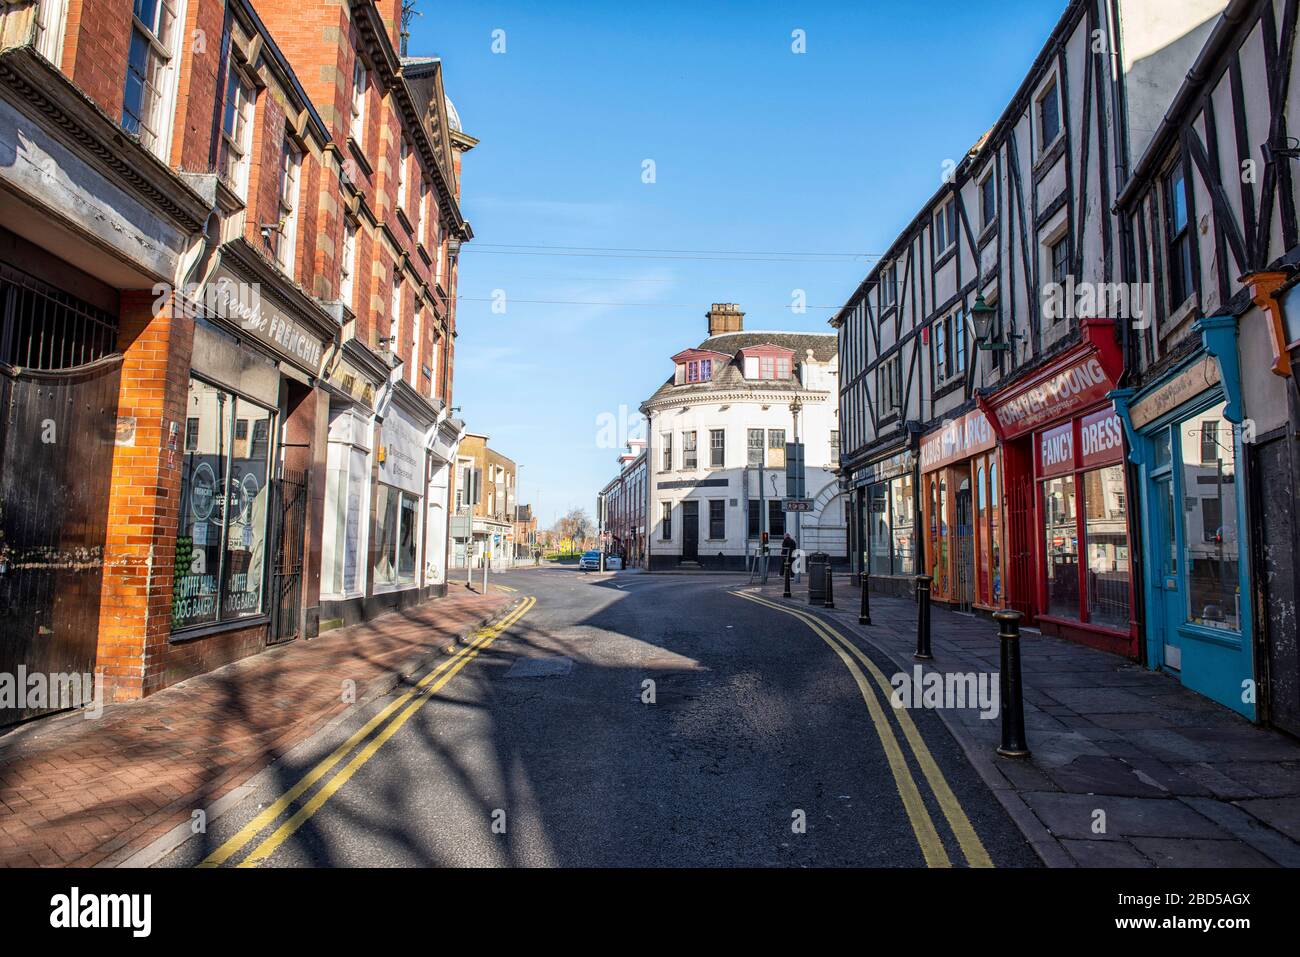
(590, 561)
(613, 563)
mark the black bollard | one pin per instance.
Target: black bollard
(1010, 687)
(785, 593)
(923, 618)
(830, 601)
(864, 612)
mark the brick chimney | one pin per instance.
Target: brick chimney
(725, 317)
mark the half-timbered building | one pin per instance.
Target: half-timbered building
(1210, 408)
(976, 357)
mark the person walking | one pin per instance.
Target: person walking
(788, 546)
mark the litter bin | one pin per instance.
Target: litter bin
(816, 567)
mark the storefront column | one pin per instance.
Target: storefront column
(136, 605)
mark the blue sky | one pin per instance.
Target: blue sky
(756, 150)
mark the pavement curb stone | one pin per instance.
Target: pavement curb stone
(1064, 738)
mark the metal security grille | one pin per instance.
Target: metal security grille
(286, 576)
(47, 329)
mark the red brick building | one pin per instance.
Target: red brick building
(227, 283)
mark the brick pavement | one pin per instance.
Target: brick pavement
(86, 792)
(1182, 781)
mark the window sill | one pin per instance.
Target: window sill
(359, 155)
(217, 628)
(1050, 152)
(1179, 316)
(405, 221)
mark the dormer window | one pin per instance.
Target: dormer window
(699, 370)
(767, 362)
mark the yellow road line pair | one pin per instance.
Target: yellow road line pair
(918, 815)
(413, 700)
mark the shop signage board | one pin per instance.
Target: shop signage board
(796, 505)
(895, 465)
(1055, 395)
(958, 439)
(244, 305)
(1101, 439)
(1191, 382)
(403, 459)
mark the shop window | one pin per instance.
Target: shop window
(666, 520)
(902, 524)
(221, 543)
(1062, 547)
(879, 541)
(1105, 536)
(346, 485)
(397, 532)
(1210, 540)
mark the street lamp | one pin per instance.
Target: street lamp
(983, 316)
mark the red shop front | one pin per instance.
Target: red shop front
(1067, 496)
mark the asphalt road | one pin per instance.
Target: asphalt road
(753, 746)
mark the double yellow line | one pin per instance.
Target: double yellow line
(917, 814)
(411, 702)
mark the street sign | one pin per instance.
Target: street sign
(796, 505)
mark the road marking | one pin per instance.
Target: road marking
(273, 811)
(922, 826)
(507, 588)
(971, 846)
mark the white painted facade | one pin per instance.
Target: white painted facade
(733, 408)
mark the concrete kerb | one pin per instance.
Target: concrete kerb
(1044, 843)
(160, 847)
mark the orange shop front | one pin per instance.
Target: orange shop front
(962, 514)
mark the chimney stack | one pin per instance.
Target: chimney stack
(725, 317)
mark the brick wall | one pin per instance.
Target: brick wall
(135, 611)
(96, 42)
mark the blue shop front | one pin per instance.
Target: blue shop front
(1184, 434)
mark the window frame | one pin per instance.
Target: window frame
(945, 214)
(286, 245)
(1053, 88)
(156, 115)
(357, 103)
(239, 104)
(1179, 281)
(717, 448)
